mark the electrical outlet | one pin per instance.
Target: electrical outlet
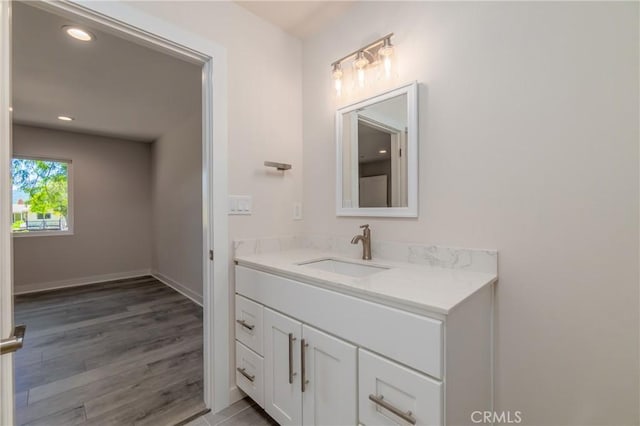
(297, 210)
(240, 204)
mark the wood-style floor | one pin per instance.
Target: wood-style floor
(126, 352)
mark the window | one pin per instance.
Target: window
(41, 196)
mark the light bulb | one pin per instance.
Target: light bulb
(385, 53)
(337, 77)
(387, 48)
(360, 63)
(387, 66)
(78, 33)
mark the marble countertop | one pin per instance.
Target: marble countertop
(417, 287)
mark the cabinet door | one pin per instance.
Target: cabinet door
(283, 399)
(329, 370)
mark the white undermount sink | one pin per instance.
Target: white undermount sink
(344, 268)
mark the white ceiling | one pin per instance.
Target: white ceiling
(299, 18)
(111, 86)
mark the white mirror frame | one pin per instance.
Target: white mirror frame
(411, 90)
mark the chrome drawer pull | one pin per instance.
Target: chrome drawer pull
(291, 373)
(243, 371)
(303, 374)
(408, 416)
(245, 325)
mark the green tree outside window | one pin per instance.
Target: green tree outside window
(45, 183)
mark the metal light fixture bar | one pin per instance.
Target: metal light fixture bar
(363, 49)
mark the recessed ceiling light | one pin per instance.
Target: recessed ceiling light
(382, 151)
(65, 118)
(78, 33)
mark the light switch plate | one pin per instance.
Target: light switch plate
(240, 204)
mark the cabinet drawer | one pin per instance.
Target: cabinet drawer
(249, 323)
(250, 373)
(398, 391)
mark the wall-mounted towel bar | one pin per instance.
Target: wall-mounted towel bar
(279, 166)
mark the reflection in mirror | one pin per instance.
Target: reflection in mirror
(377, 146)
(375, 155)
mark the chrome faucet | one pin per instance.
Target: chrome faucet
(366, 242)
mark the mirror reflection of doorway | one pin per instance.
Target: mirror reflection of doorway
(374, 165)
(381, 164)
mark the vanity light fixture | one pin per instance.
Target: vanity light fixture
(78, 33)
(373, 54)
(382, 151)
(65, 118)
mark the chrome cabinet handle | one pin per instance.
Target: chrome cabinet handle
(243, 371)
(13, 343)
(245, 325)
(408, 416)
(303, 373)
(291, 373)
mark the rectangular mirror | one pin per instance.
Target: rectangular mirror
(377, 155)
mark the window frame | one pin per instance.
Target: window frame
(70, 203)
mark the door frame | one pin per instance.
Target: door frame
(6, 246)
(142, 28)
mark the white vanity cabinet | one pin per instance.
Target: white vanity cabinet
(326, 357)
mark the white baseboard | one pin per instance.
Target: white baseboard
(185, 291)
(76, 282)
(235, 395)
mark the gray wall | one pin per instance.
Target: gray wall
(529, 145)
(176, 188)
(112, 210)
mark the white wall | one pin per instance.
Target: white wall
(528, 144)
(111, 210)
(265, 108)
(176, 199)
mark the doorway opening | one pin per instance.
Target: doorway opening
(104, 27)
